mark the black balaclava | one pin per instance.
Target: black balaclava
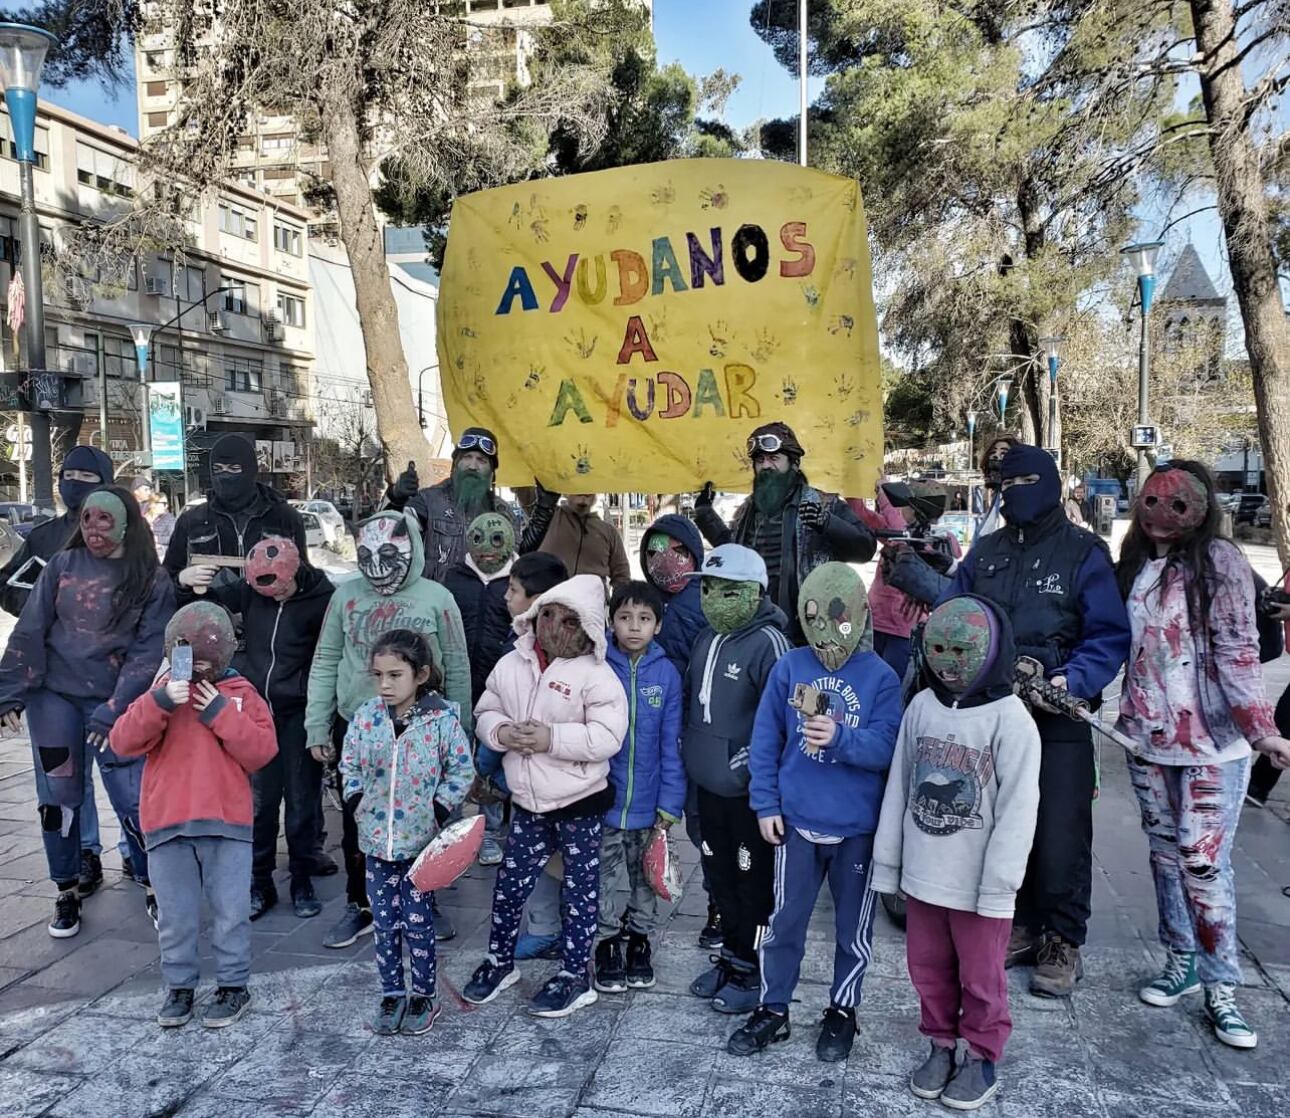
(1028, 504)
(92, 461)
(234, 491)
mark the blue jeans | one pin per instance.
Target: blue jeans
(1190, 816)
(90, 839)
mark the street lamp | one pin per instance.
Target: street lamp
(1004, 386)
(22, 54)
(1052, 346)
(421, 412)
(1143, 258)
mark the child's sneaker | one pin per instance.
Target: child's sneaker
(176, 1010)
(741, 994)
(150, 907)
(355, 921)
(91, 874)
(389, 1015)
(640, 968)
(933, 1075)
(611, 971)
(488, 981)
(972, 1086)
(710, 981)
(1229, 1026)
(764, 1027)
(1177, 979)
(230, 1005)
(421, 1014)
(711, 934)
(563, 994)
(490, 851)
(837, 1034)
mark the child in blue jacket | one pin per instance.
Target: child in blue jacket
(648, 780)
(821, 745)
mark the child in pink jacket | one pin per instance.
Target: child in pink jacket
(556, 712)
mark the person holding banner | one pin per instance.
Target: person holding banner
(792, 526)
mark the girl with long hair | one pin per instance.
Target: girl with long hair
(88, 643)
(1194, 703)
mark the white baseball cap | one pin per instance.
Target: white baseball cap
(734, 562)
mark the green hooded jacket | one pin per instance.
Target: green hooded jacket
(340, 681)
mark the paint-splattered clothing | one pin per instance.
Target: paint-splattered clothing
(1192, 697)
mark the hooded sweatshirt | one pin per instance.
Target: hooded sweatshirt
(357, 617)
(579, 697)
(959, 812)
(835, 791)
(723, 685)
(683, 618)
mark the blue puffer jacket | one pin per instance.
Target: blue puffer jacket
(684, 620)
(647, 774)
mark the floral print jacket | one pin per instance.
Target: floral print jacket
(401, 776)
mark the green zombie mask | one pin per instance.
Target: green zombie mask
(959, 644)
(470, 488)
(728, 605)
(833, 609)
(490, 539)
(102, 523)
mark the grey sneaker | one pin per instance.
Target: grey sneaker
(973, 1085)
(230, 1005)
(490, 852)
(388, 1018)
(177, 1009)
(933, 1074)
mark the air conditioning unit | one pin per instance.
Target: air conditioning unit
(154, 285)
(218, 403)
(194, 417)
(272, 329)
(215, 322)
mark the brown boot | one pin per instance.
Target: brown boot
(1023, 947)
(1058, 969)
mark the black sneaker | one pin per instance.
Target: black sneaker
(640, 971)
(176, 1010)
(389, 1015)
(488, 981)
(304, 900)
(710, 981)
(837, 1034)
(91, 874)
(128, 874)
(764, 1027)
(611, 971)
(444, 928)
(150, 907)
(563, 994)
(325, 866)
(263, 898)
(67, 915)
(712, 935)
(230, 1004)
(741, 994)
(354, 922)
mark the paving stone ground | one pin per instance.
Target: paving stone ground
(78, 1040)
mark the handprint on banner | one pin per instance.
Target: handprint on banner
(800, 195)
(658, 325)
(845, 386)
(718, 332)
(714, 198)
(579, 218)
(811, 294)
(584, 346)
(663, 195)
(842, 323)
(614, 220)
(517, 217)
(829, 422)
(846, 267)
(857, 417)
(535, 376)
(767, 343)
(582, 460)
(788, 393)
(538, 229)
(512, 402)
(467, 332)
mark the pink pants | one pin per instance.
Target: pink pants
(956, 963)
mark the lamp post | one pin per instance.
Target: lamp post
(22, 54)
(1143, 258)
(801, 81)
(421, 411)
(1004, 386)
(1053, 348)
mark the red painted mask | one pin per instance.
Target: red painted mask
(560, 632)
(102, 523)
(271, 567)
(1172, 505)
(667, 562)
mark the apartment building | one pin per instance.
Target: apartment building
(233, 319)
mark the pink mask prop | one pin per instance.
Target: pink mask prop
(1172, 505)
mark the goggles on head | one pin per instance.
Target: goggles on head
(766, 444)
(478, 442)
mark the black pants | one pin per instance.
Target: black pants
(293, 780)
(355, 863)
(1264, 776)
(740, 868)
(1059, 877)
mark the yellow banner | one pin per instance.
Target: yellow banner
(625, 330)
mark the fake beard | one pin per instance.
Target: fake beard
(470, 490)
(102, 523)
(771, 489)
(667, 562)
(729, 605)
(490, 539)
(272, 566)
(560, 632)
(1174, 504)
(958, 644)
(385, 553)
(833, 609)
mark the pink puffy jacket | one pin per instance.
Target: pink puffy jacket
(580, 699)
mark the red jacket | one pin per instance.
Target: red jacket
(196, 781)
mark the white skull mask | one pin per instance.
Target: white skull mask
(384, 552)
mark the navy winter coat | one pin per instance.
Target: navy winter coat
(484, 617)
(647, 775)
(683, 621)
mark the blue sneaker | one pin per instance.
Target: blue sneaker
(537, 947)
(741, 994)
(488, 981)
(562, 995)
(971, 1086)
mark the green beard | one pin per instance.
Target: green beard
(771, 490)
(470, 491)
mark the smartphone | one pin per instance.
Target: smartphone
(181, 663)
(809, 700)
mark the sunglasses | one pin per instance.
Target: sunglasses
(767, 444)
(480, 442)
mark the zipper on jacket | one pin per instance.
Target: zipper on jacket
(394, 780)
(631, 752)
(273, 658)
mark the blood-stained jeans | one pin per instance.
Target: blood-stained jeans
(1190, 814)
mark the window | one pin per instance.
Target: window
(155, 59)
(274, 174)
(155, 89)
(272, 144)
(246, 143)
(242, 297)
(118, 356)
(10, 246)
(241, 374)
(104, 171)
(238, 222)
(9, 149)
(158, 120)
(188, 283)
(291, 310)
(286, 239)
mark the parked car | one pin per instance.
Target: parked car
(329, 518)
(1263, 516)
(314, 534)
(1250, 507)
(19, 516)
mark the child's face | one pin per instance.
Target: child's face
(634, 627)
(395, 680)
(517, 601)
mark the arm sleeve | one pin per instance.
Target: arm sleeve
(247, 735)
(538, 522)
(849, 540)
(620, 570)
(143, 725)
(1103, 645)
(889, 839)
(600, 735)
(144, 657)
(490, 713)
(671, 793)
(456, 660)
(353, 771)
(1234, 645)
(13, 599)
(454, 763)
(22, 668)
(177, 549)
(714, 529)
(1016, 773)
(870, 746)
(963, 579)
(766, 746)
(320, 704)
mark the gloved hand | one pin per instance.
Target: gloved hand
(545, 497)
(407, 485)
(706, 496)
(814, 515)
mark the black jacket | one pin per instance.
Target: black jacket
(279, 637)
(45, 539)
(485, 618)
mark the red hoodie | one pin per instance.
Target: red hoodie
(196, 781)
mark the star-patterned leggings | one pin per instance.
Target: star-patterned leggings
(400, 912)
(532, 841)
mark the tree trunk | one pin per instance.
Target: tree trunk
(402, 439)
(1242, 204)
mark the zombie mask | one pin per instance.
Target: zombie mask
(207, 628)
(560, 632)
(384, 552)
(271, 567)
(1174, 503)
(490, 539)
(728, 605)
(667, 562)
(959, 644)
(833, 608)
(102, 523)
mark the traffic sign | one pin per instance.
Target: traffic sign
(1144, 436)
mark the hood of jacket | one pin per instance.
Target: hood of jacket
(417, 566)
(585, 595)
(621, 661)
(679, 528)
(996, 681)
